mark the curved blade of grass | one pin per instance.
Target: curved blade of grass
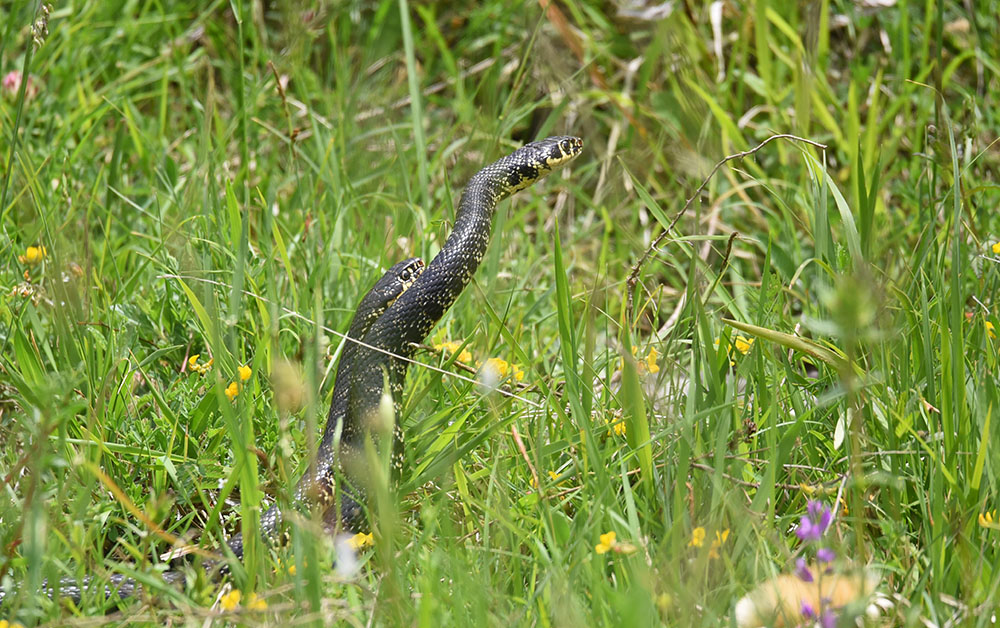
(796, 343)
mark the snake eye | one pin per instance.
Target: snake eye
(570, 145)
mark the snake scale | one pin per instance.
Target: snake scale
(389, 335)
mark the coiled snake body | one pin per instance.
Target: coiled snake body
(389, 337)
(318, 479)
(409, 320)
(317, 483)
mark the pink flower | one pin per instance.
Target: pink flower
(11, 84)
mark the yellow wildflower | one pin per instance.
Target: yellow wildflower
(552, 476)
(244, 372)
(610, 543)
(360, 541)
(996, 248)
(255, 603)
(988, 519)
(451, 347)
(32, 255)
(720, 538)
(9, 624)
(199, 368)
(616, 424)
(607, 543)
(651, 364)
(989, 330)
(503, 368)
(697, 537)
(619, 428)
(742, 344)
(230, 600)
(232, 390)
(291, 570)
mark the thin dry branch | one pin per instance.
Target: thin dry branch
(633, 277)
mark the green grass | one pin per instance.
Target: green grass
(189, 203)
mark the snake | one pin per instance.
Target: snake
(317, 483)
(318, 479)
(380, 363)
(390, 335)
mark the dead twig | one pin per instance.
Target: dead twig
(633, 277)
(524, 454)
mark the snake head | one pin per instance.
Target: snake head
(533, 161)
(553, 152)
(387, 289)
(401, 276)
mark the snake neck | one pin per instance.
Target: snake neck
(415, 313)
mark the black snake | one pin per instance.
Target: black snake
(391, 336)
(317, 482)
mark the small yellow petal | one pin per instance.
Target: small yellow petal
(32, 255)
(601, 548)
(651, 360)
(361, 540)
(255, 603)
(996, 248)
(697, 537)
(451, 347)
(989, 330)
(232, 390)
(193, 360)
(230, 600)
(608, 538)
(244, 372)
(553, 475)
(742, 344)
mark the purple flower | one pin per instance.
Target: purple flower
(825, 555)
(814, 524)
(808, 612)
(802, 570)
(828, 619)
